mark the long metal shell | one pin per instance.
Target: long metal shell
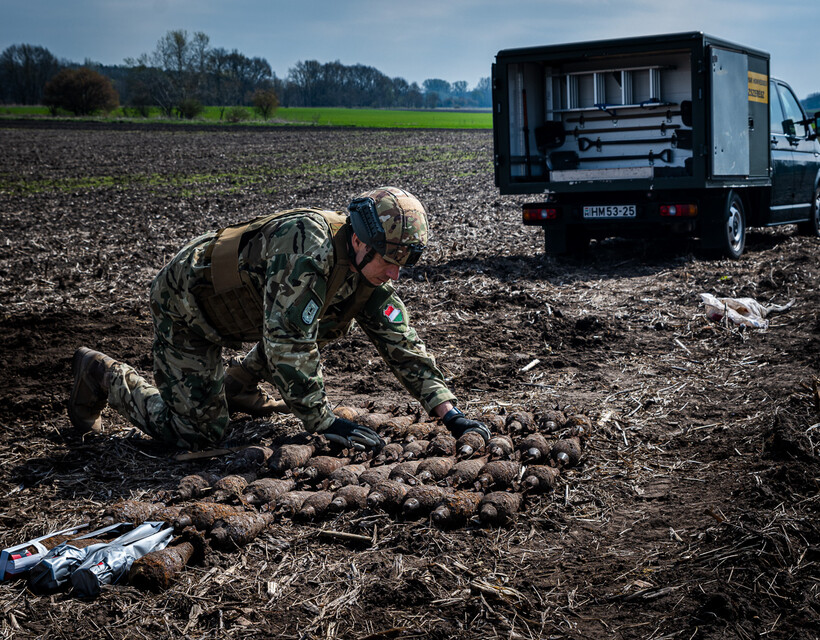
(290, 456)
(290, 502)
(405, 472)
(345, 475)
(500, 447)
(469, 444)
(434, 469)
(195, 485)
(415, 450)
(374, 475)
(539, 478)
(231, 486)
(265, 490)
(349, 497)
(390, 453)
(566, 452)
(388, 495)
(240, 529)
(422, 499)
(442, 445)
(349, 413)
(202, 515)
(498, 474)
(533, 448)
(320, 467)
(465, 472)
(315, 505)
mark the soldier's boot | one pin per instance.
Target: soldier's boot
(89, 395)
(244, 394)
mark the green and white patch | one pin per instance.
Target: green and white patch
(310, 311)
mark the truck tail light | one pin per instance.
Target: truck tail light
(679, 210)
(539, 213)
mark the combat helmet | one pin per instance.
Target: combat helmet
(392, 222)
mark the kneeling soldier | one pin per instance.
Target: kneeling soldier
(292, 282)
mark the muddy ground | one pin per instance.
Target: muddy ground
(694, 512)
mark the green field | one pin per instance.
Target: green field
(320, 116)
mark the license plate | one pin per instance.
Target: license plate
(610, 211)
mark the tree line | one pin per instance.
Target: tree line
(185, 72)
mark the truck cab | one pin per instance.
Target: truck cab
(680, 133)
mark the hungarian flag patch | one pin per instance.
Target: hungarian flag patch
(393, 314)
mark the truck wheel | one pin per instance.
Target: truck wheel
(812, 226)
(577, 241)
(733, 234)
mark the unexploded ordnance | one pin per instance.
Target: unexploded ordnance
(415, 450)
(348, 474)
(134, 511)
(387, 495)
(566, 452)
(422, 499)
(231, 486)
(250, 458)
(320, 467)
(239, 529)
(579, 424)
(533, 448)
(156, 570)
(202, 515)
(373, 420)
(494, 421)
(290, 456)
(266, 490)
(349, 497)
(455, 509)
(465, 472)
(441, 446)
(500, 447)
(195, 485)
(423, 431)
(349, 413)
(396, 427)
(374, 475)
(434, 469)
(315, 505)
(290, 502)
(391, 452)
(499, 507)
(520, 422)
(539, 478)
(551, 421)
(499, 474)
(469, 444)
(405, 472)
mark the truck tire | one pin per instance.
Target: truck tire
(812, 226)
(577, 241)
(733, 231)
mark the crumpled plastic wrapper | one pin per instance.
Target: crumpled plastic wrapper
(747, 312)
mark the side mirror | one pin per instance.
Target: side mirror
(788, 127)
(814, 126)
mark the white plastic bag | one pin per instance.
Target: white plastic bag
(742, 311)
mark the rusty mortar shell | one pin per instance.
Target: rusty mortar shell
(396, 427)
(166, 514)
(391, 452)
(566, 452)
(290, 502)
(388, 495)
(465, 472)
(374, 475)
(414, 450)
(551, 421)
(202, 515)
(314, 506)
(456, 509)
(520, 422)
(231, 486)
(373, 420)
(348, 474)
(498, 474)
(533, 448)
(422, 499)
(539, 478)
(434, 469)
(290, 456)
(469, 444)
(441, 446)
(134, 511)
(499, 507)
(423, 431)
(579, 425)
(157, 570)
(349, 413)
(265, 490)
(195, 485)
(500, 447)
(348, 498)
(53, 541)
(495, 422)
(240, 529)
(251, 458)
(405, 472)
(320, 467)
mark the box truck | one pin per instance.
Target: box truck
(679, 133)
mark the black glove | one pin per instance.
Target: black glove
(458, 425)
(349, 434)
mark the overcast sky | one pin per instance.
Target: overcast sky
(414, 39)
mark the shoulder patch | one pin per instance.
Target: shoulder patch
(310, 311)
(393, 314)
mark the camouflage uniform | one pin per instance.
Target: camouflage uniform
(288, 261)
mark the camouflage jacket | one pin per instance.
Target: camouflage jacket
(289, 262)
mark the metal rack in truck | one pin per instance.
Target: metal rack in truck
(679, 133)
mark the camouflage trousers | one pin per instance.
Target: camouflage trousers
(187, 407)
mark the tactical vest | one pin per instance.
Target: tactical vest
(233, 304)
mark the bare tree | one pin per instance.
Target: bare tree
(24, 71)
